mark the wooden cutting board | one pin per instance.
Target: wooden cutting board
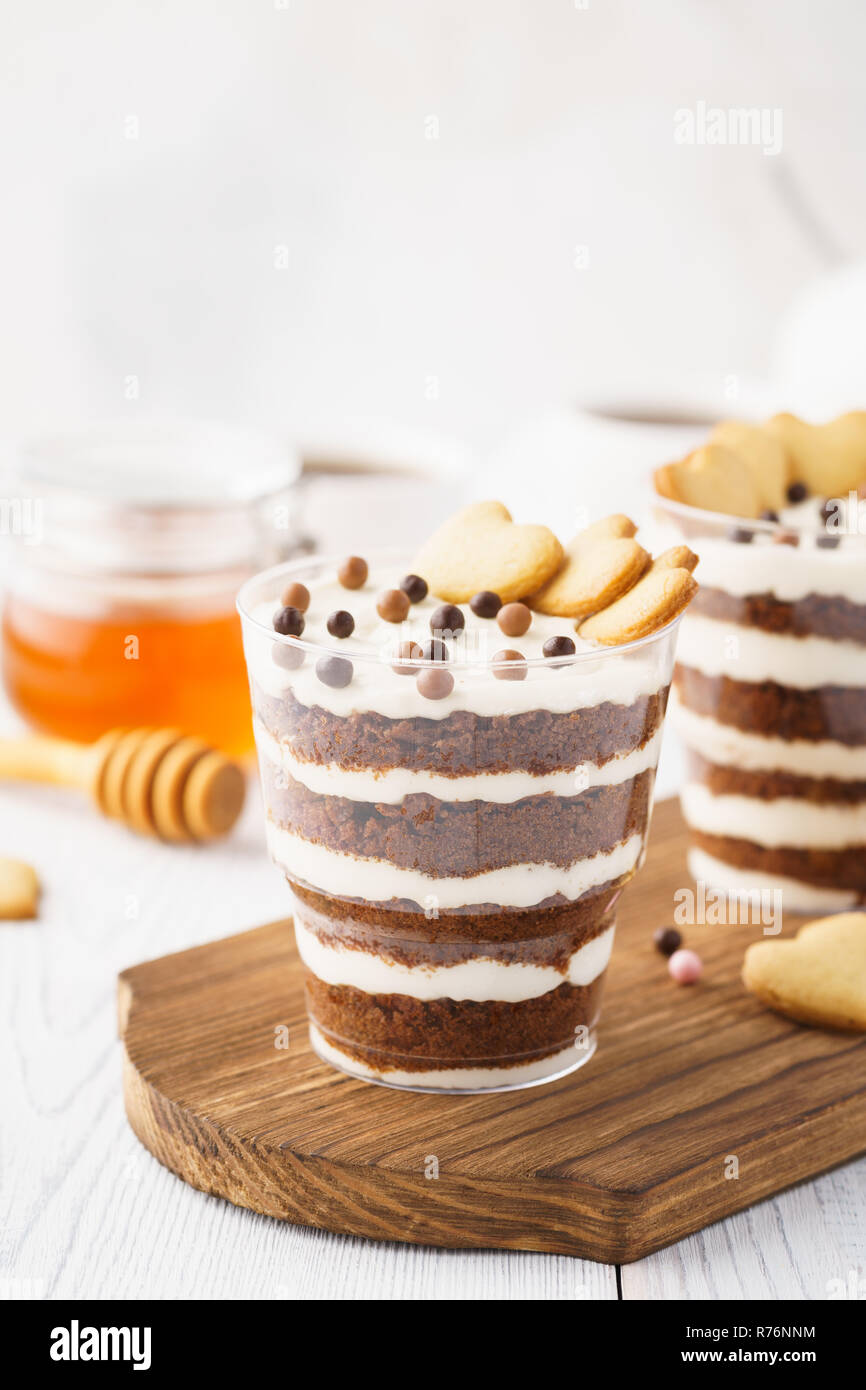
(638, 1149)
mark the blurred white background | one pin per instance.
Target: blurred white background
(456, 216)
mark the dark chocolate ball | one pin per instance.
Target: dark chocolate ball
(289, 621)
(797, 492)
(414, 587)
(558, 646)
(667, 940)
(341, 623)
(485, 604)
(447, 618)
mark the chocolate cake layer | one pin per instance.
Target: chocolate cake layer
(842, 868)
(459, 838)
(734, 781)
(554, 950)
(506, 933)
(396, 1032)
(816, 615)
(827, 712)
(462, 743)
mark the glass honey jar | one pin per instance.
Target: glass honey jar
(127, 549)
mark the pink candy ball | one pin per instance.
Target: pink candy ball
(685, 967)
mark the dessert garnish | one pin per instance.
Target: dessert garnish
(601, 563)
(435, 683)
(558, 646)
(296, 596)
(447, 620)
(289, 621)
(514, 619)
(393, 605)
(19, 890)
(482, 548)
(334, 671)
(755, 470)
(414, 587)
(341, 623)
(514, 667)
(485, 604)
(406, 654)
(353, 572)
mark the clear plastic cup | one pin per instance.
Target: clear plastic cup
(769, 698)
(455, 863)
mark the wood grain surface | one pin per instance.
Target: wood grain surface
(633, 1152)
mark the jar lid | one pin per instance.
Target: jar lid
(156, 498)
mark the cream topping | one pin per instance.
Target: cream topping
(604, 674)
(375, 880)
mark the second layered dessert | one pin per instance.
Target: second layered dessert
(770, 686)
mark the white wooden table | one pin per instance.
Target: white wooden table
(86, 1212)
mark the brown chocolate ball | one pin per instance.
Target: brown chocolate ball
(353, 572)
(296, 596)
(485, 604)
(289, 622)
(393, 605)
(334, 671)
(414, 587)
(406, 654)
(341, 623)
(435, 683)
(514, 619)
(447, 618)
(515, 670)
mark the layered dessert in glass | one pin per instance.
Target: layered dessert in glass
(770, 685)
(457, 793)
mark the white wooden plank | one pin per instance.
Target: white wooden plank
(807, 1243)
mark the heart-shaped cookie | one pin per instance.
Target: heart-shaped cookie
(817, 977)
(713, 478)
(656, 599)
(830, 459)
(763, 454)
(602, 562)
(481, 548)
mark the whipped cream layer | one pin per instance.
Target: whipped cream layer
(788, 573)
(743, 883)
(604, 675)
(480, 978)
(375, 880)
(717, 648)
(728, 746)
(390, 786)
(782, 822)
(457, 1078)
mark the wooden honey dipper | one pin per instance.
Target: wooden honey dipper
(159, 781)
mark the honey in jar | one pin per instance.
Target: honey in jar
(120, 598)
